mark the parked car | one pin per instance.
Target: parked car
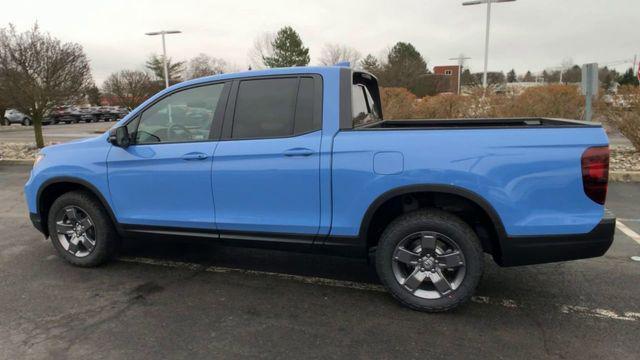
(118, 112)
(64, 114)
(89, 114)
(13, 116)
(302, 159)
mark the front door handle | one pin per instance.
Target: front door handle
(298, 152)
(194, 156)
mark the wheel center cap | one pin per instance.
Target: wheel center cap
(427, 263)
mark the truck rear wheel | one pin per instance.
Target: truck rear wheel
(81, 230)
(429, 260)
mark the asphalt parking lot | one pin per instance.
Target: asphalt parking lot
(199, 300)
(52, 133)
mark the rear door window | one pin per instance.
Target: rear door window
(270, 108)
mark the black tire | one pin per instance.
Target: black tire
(26, 122)
(106, 237)
(430, 220)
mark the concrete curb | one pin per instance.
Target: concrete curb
(624, 176)
(16, 162)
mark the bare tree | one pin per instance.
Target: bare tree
(129, 88)
(205, 65)
(262, 48)
(38, 71)
(335, 53)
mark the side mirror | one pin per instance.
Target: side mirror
(119, 137)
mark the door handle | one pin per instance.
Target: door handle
(194, 156)
(298, 152)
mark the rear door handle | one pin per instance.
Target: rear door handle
(298, 152)
(194, 156)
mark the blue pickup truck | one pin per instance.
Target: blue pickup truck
(302, 159)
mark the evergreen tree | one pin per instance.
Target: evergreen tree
(511, 76)
(572, 75)
(528, 77)
(467, 78)
(371, 64)
(405, 68)
(93, 95)
(545, 76)
(628, 78)
(288, 50)
(156, 66)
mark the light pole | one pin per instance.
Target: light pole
(486, 39)
(164, 51)
(461, 58)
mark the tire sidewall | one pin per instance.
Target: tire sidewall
(445, 224)
(102, 224)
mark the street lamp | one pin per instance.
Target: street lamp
(461, 58)
(486, 40)
(164, 51)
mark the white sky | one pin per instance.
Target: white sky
(526, 35)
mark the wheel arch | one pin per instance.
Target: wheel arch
(52, 189)
(396, 195)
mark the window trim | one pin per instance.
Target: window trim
(218, 116)
(229, 115)
(347, 79)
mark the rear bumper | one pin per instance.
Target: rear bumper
(527, 250)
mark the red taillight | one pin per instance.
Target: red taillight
(595, 173)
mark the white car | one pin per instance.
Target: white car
(13, 116)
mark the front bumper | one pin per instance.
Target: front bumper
(527, 250)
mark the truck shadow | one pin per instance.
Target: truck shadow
(497, 282)
(211, 254)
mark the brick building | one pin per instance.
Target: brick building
(450, 73)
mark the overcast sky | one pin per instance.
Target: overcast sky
(525, 35)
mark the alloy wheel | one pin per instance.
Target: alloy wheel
(429, 264)
(76, 231)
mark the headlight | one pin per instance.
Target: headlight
(39, 157)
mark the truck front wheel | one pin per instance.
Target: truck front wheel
(81, 230)
(429, 260)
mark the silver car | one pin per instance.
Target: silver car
(13, 116)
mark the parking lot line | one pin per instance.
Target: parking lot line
(581, 311)
(630, 233)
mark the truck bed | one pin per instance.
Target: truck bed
(480, 123)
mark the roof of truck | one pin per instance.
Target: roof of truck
(265, 72)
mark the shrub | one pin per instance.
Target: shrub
(560, 101)
(626, 116)
(444, 106)
(397, 103)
